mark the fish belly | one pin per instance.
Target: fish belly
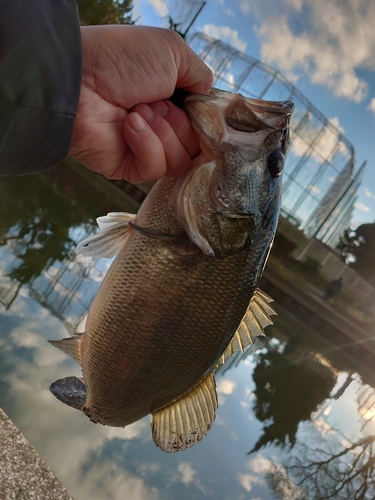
(161, 319)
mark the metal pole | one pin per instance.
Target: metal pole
(194, 18)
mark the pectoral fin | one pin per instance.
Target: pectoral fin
(114, 233)
(71, 391)
(256, 318)
(186, 421)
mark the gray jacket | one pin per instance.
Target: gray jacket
(40, 77)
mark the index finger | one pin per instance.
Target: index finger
(193, 74)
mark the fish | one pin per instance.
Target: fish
(182, 293)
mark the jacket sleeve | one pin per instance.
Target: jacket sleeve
(40, 78)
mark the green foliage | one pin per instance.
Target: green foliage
(92, 12)
(40, 211)
(309, 266)
(358, 249)
(281, 400)
(364, 252)
(282, 246)
(347, 245)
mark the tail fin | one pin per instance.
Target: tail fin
(71, 391)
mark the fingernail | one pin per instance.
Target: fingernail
(161, 107)
(136, 122)
(147, 113)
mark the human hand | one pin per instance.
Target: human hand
(124, 127)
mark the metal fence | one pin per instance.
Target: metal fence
(318, 180)
(181, 15)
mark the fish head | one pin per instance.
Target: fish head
(249, 138)
(244, 143)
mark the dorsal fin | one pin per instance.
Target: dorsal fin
(187, 421)
(71, 346)
(256, 318)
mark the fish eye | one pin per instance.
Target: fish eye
(275, 163)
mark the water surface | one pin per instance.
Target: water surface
(295, 417)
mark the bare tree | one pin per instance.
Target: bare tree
(331, 469)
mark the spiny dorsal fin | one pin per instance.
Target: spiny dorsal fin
(114, 233)
(256, 318)
(187, 421)
(71, 346)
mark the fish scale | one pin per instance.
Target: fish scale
(182, 294)
(216, 281)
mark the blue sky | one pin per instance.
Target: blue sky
(324, 47)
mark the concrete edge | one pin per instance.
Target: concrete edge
(23, 474)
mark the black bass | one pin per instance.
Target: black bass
(182, 294)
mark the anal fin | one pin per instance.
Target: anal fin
(256, 318)
(187, 421)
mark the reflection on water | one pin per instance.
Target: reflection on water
(295, 417)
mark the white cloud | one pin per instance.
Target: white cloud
(188, 476)
(227, 386)
(336, 123)
(251, 6)
(259, 465)
(246, 7)
(225, 34)
(107, 479)
(160, 7)
(136, 430)
(247, 480)
(362, 206)
(327, 142)
(371, 106)
(314, 189)
(227, 10)
(298, 146)
(187, 472)
(296, 4)
(332, 41)
(369, 194)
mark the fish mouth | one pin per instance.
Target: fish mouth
(277, 106)
(258, 105)
(284, 107)
(239, 112)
